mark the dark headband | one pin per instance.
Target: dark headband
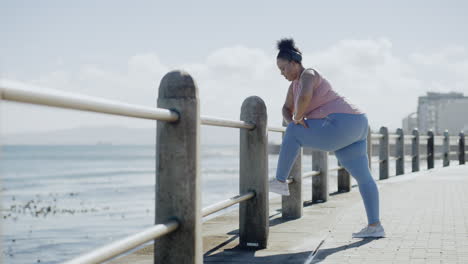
(293, 55)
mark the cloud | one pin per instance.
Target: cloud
(444, 70)
(229, 75)
(367, 72)
(372, 77)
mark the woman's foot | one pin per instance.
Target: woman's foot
(278, 187)
(370, 231)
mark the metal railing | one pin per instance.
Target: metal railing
(17, 92)
(13, 91)
(124, 245)
(213, 121)
(253, 147)
(226, 203)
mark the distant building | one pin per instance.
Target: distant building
(409, 123)
(453, 115)
(439, 111)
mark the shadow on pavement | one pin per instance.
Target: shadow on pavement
(239, 255)
(322, 254)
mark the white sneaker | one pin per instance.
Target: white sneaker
(370, 231)
(278, 187)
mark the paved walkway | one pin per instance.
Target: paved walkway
(425, 215)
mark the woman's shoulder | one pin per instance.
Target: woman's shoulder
(310, 76)
(310, 73)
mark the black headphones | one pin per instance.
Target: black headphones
(294, 55)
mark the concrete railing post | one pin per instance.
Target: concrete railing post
(446, 161)
(383, 154)
(344, 179)
(178, 193)
(430, 150)
(253, 213)
(369, 147)
(461, 148)
(292, 205)
(320, 182)
(415, 151)
(400, 152)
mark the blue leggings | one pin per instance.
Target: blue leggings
(344, 134)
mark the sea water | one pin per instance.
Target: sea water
(62, 201)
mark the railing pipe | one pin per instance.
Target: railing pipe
(253, 213)
(226, 203)
(178, 171)
(13, 91)
(377, 136)
(310, 174)
(336, 169)
(423, 137)
(214, 121)
(277, 129)
(124, 245)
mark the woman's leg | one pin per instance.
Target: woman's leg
(328, 134)
(355, 160)
(346, 135)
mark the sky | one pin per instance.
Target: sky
(379, 55)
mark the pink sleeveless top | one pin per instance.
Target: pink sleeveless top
(324, 100)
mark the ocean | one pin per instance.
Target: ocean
(62, 201)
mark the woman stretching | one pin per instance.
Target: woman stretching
(320, 118)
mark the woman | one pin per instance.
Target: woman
(320, 118)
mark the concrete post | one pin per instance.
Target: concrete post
(461, 148)
(344, 180)
(446, 161)
(430, 150)
(177, 171)
(383, 154)
(320, 182)
(369, 147)
(400, 152)
(253, 213)
(292, 205)
(415, 150)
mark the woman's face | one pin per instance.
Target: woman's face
(287, 69)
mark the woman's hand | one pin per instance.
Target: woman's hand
(300, 121)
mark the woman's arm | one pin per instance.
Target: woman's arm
(309, 81)
(288, 106)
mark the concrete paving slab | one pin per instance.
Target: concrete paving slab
(425, 215)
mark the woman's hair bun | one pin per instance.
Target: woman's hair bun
(287, 44)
